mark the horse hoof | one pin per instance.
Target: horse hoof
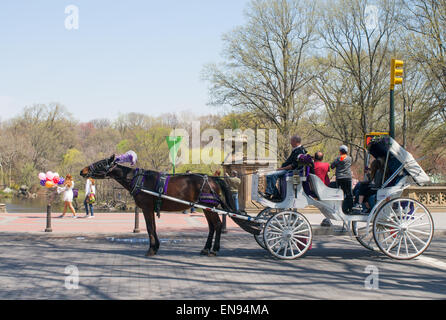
(204, 252)
(212, 254)
(150, 253)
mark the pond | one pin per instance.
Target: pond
(38, 205)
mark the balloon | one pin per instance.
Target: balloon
(42, 182)
(49, 175)
(42, 176)
(56, 180)
(61, 180)
(56, 174)
(49, 184)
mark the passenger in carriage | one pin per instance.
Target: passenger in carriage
(344, 177)
(368, 189)
(291, 163)
(321, 169)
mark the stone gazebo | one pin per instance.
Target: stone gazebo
(236, 160)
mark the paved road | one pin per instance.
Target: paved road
(33, 266)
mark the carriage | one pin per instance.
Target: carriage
(400, 227)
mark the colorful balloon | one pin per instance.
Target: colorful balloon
(49, 175)
(56, 174)
(49, 184)
(42, 182)
(61, 180)
(56, 180)
(42, 176)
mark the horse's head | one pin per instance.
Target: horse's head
(99, 169)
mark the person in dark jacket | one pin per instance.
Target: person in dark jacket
(344, 177)
(369, 188)
(290, 164)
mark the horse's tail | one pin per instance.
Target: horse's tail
(229, 205)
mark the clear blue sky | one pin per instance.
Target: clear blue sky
(126, 56)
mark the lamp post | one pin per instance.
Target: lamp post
(136, 229)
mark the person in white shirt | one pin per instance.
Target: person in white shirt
(67, 190)
(90, 190)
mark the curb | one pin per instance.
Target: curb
(317, 231)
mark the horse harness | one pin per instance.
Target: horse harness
(161, 188)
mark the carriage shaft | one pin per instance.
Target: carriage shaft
(213, 209)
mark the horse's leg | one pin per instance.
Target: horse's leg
(149, 217)
(157, 242)
(207, 246)
(218, 228)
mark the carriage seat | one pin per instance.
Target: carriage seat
(283, 185)
(322, 191)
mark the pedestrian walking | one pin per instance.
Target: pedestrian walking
(90, 197)
(67, 190)
(234, 184)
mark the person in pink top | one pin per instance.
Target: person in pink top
(321, 168)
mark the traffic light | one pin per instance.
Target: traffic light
(369, 136)
(396, 73)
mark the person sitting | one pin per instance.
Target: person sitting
(344, 177)
(368, 189)
(321, 169)
(291, 163)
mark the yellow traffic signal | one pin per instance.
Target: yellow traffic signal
(396, 73)
(369, 136)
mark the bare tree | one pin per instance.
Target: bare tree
(264, 72)
(352, 77)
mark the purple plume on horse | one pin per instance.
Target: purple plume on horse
(305, 158)
(129, 157)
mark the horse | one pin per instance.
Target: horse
(187, 187)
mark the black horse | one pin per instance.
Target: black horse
(188, 187)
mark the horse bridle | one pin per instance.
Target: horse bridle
(101, 167)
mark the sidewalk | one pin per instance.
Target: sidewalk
(125, 223)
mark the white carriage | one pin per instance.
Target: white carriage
(401, 228)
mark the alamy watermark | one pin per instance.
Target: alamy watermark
(72, 20)
(234, 146)
(371, 17)
(72, 278)
(371, 282)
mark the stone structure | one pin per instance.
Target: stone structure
(433, 197)
(236, 160)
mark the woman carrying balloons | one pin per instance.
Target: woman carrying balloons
(67, 190)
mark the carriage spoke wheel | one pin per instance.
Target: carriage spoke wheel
(359, 229)
(403, 228)
(265, 214)
(287, 235)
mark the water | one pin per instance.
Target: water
(19, 205)
(38, 205)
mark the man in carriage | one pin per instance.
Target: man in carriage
(292, 163)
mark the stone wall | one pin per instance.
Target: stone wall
(433, 197)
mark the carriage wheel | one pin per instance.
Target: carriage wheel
(287, 235)
(264, 214)
(403, 228)
(359, 229)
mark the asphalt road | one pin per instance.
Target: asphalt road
(36, 266)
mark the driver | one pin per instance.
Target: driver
(272, 193)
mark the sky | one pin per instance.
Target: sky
(125, 56)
